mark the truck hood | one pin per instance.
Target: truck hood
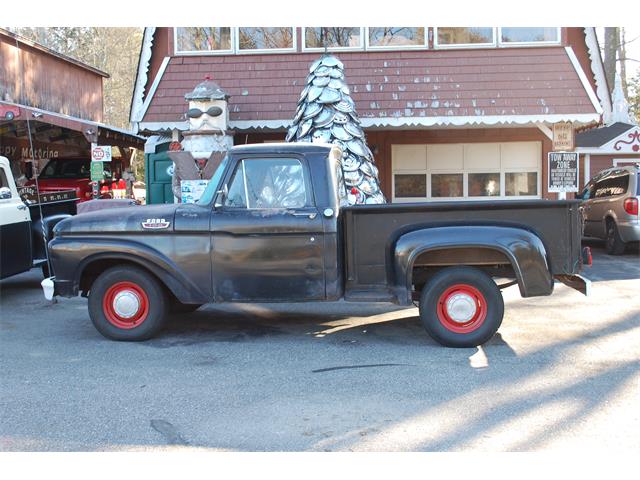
(148, 219)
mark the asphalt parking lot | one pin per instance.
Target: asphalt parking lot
(563, 373)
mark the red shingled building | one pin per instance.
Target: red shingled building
(450, 113)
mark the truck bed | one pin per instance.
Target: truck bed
(371, 230)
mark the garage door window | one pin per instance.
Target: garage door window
(411, 185)
(519, 184)
(447, 185)
(476, 171)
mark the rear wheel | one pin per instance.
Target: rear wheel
(461, 307)
(127, 303)
(613, 242)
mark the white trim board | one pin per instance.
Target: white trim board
(597, 68)
(583, 78)
(490, 120)
(152, 90)
(142, 76)
(402, 122)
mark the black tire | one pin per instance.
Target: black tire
(150, 304)
(179, 307)
(465, 287)
(613, 243)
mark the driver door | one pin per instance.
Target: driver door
(267, 236)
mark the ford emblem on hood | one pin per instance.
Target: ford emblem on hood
(155, 224)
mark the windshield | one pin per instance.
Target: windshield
(212, 186)
(68, 168)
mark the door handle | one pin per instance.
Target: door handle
(22, 207)
(302, 214)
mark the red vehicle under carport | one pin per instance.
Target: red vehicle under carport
(75, 173)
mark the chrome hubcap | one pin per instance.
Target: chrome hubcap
(461, 307)
(126, 303)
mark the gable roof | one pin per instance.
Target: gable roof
(408, 88)
(597, 137)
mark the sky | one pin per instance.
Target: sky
(633, 48)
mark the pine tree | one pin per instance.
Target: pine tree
(326, 113)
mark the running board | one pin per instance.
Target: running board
(577, 282)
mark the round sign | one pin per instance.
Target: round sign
(170, 170)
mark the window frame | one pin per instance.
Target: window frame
(464, 46)
(230, 51)
(537, 171)
(502, 44)
(333, 49)
(409, 172)
(369, 47)
(262, 51)
(310, 200)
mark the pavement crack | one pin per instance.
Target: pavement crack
(169, 432)
(346, 367)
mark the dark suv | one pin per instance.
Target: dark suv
(610, 207)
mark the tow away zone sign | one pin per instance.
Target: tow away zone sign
(563, 172)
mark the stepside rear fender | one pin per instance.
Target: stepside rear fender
(524, 250)
(71, 257)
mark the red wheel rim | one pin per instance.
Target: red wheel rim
(462, 308)
(125, 305)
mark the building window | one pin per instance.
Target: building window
(527, 35)
(464, 36)
(484, 184)
(410, 185)
(380, 37)
(333, 38)
(456, 171)
(448, 185)
(518, 184)
(266, 38)
(203, 39)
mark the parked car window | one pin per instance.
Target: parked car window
(610, 186)
(587, 191)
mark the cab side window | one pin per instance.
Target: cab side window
(237, 192)
(268, 184)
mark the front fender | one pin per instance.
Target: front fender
(70, 258)
(525, 252)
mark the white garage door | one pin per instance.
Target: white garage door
(475, 171)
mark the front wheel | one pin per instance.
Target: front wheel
(127, 303)
(461, 307)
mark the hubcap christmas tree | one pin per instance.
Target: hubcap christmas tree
(326, 113)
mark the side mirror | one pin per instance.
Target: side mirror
(5, 193)
(221, 196)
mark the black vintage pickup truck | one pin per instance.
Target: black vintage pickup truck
(270, 228)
